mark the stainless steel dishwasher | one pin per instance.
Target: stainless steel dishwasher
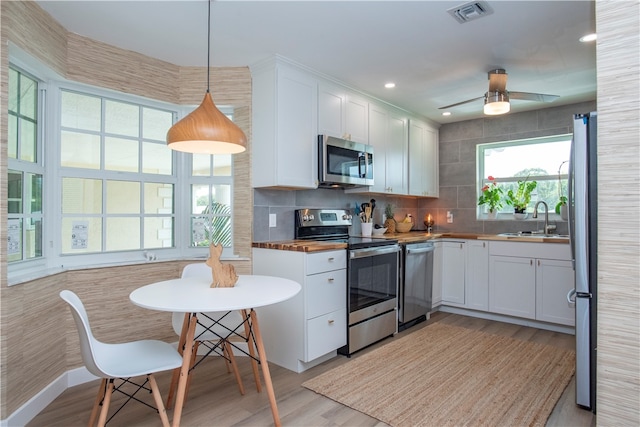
(416, 283)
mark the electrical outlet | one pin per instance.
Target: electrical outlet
(272, 220)
(449, 217)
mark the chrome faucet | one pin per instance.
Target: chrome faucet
(547, 228)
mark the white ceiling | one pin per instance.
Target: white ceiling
(433, 59)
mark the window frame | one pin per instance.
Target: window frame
(482, 177)
(53, 260)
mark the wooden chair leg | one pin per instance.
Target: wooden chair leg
(96, 404)
(254, 363)
(105, 404)
(158, 398)
(228, 350)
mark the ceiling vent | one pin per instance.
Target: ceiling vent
(470, 11)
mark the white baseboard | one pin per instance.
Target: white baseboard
(37, 403)
(71, 378)
(509, 319)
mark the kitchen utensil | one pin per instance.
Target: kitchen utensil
(373, 206)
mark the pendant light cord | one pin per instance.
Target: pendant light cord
(208, 43)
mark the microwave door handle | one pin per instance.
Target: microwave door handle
(360, 159)
(366, 165)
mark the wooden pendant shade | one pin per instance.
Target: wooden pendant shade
(206, 130)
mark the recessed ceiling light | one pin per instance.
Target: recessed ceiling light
(588, 38)
(446, 113)
(390, 85)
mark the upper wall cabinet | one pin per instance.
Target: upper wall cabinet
(388, 134)
(342, 114)
(423, 160)
(285, 126)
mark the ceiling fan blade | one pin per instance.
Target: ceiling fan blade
(460, 103)
(497, 80)
(527, 96)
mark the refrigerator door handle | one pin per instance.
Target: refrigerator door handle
(571, 296)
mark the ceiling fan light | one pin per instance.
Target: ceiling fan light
(206, 130)
(496, 103)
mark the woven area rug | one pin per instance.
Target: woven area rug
(445, 375)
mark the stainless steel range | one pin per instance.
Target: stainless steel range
(372, 283)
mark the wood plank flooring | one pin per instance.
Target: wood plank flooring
(214, 399)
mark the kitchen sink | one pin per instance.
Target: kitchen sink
(535, 235)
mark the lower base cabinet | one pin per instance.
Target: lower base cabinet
(554, 280)
(512, 286)
(308, 328)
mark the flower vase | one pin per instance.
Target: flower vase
(492, 214)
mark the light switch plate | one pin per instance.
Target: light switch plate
(272, 220)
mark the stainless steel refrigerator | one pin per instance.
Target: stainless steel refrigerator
(582, 203)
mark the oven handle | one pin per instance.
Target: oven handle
(367, 252)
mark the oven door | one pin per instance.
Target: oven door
(343, 162)
(373, 282)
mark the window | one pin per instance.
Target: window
(543, 160)
(117, 176)
(211, 189)
(26, 169)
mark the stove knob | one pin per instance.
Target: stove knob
(311, 217)
(345, 216)
(305, 218)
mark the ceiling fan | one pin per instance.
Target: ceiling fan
(496, 100)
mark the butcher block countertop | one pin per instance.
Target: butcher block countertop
(301, 245)
(403, 238)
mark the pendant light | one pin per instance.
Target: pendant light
(206, 129)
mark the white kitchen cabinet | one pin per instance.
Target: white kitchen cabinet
(308, 329)
(342, 113)
(554, 280)
(388, 134)
(531, 280)
(423, 160)
(512, 286)
(285, 126)
(477, 275)
(436, 293)
(453, 273)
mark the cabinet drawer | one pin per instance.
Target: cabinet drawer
(325, 292)
(325, 334)
(326, 261)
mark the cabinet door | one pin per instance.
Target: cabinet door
(554, 279)
(378, 132)
(325, 334)
(423, 160)
(396, 154)
(512, 286)
(477, 275)
(453, 274)
(357, 119)
(437, 274)
(331, 110)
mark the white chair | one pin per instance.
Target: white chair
(121, 361)
(208, 333)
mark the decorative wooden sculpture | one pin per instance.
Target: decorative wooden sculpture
(223, 275)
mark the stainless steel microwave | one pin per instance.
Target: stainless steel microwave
(343, 163)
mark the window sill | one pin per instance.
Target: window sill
(20, 277)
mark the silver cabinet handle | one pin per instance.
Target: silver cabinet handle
(571, 296)
(330, 279)
(331, 321)
(331, 259)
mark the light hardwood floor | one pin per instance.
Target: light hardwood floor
(214, 399)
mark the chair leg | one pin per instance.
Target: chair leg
(96, 404)
(105, 404)
(158, 398)
(254, 363)
(228, 350)
(176, 372)
(194, 354)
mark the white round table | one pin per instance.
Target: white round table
(193, 295)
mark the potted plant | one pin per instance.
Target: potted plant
(561, 207)
(389, 222)
(520, 198)
(491, 195)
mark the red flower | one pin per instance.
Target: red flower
(485, 188)
(490, 178)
